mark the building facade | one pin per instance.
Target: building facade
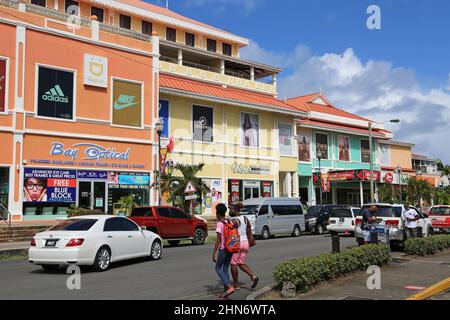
(76, 126)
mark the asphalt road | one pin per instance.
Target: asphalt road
(185, 272)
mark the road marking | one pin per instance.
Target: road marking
(434, 290)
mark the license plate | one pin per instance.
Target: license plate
(51, 243)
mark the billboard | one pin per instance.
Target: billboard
(203, 124)
(164, 117)
(95, 71)
(47, 185)
(344, 148)
(127, 103)
(250, 130)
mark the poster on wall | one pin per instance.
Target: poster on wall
(322, 146)
(344, 148)
(127, 103)
(2, 85)
(365, 151)
(266, 189)
(250, 130)
(304, 147)
(164, 117)
(325, 183)
(235, 191)
(95, 71)
(203, 124)
(55, 93)
(53, 186)
(214, 197)
(285, 139)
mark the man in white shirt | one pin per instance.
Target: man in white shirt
(409, 217)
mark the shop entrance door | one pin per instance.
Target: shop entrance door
(92, 195)
(251, 190)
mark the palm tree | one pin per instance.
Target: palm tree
(444, 169)
(177, 184)
(419, 190)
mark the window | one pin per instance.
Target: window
(38, 2)
(98, 12)
(250, 130)
(55, 93)
(203, 124)
(113, 225)
(72, 7)
(190, 39)
(3, 79)
(74, 225)
(171, 34)
(211, 45)
(285, 139)
(178, 214)
(142, 212)
(226, 49)
(127, 103)
(263, 211)
(322, 146)
(365, 151)
(287, 210)
(164, 212)
(147, 28)
(125, 22)
(384, 155)
(344, 148)
(127, 225)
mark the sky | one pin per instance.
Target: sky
(401, 71)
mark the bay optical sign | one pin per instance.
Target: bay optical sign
(55, 93)
(95, 71)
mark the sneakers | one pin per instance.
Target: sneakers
(255, 282)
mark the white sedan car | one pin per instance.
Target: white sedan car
(95, 241)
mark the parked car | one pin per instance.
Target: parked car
(391, 214)
(275, 216)
(171, 224)
(440, 218)
(95, 241)
(317, 218)
(342, 220)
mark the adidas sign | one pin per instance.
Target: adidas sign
(55, 94)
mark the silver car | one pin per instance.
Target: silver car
(275, 216)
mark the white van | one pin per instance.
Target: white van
(275, 216)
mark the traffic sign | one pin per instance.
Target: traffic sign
(190, 188)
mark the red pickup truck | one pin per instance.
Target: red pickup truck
(440, 218)
(171, 224)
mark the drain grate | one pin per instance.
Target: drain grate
(358, 298)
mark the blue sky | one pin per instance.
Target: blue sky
(402, 70)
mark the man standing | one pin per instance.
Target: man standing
(369, 218)
(409, 217)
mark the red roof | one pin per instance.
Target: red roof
(394, 168)
(327, 125)
(304, 103)
(225, 93)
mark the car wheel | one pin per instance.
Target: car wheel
(156, 251)
(174, 242)
(265, 234)
(50, 267)
(319, 229)
(199, 237)
(102, 259)
(430, 232)
(296, 232)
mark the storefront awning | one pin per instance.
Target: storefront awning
(376, 133)
(348, 176)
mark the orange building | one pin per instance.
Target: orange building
(77, 110)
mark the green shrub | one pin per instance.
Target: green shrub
(306, 272)
(427, 246)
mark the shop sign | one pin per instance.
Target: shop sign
(128, 180)
(349, 176)
(55, 186)
(127, 103)
(92, 152)
(266, 189)
(242, 169)
(95, 71)
(389, 178)
(94, 175)
(134, 179)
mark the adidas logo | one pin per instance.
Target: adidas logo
(55, 94)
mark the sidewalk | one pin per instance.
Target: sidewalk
(401, 279)
(14, 248)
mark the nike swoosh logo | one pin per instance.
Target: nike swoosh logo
(118, 106)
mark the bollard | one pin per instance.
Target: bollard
(336, 244)
(374, 237)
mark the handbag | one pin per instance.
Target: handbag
(250, 236)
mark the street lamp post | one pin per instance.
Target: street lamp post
(159, 129)
(399, 172)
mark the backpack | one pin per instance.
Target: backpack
(231, 236)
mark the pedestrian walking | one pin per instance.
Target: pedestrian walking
(409, 218)
(222, 257)
(247, 240)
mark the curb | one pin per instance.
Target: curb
(260, 292)
(432, 291)
(13, 252)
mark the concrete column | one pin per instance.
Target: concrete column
(274, 79)
(252, 73)
(289, 184)
(95, 25)
(180, 57)
(296, 185)
(222, 66)
(312, 192)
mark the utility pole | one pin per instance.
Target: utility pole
(372, 195)
(319, 157)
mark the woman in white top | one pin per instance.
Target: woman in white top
(240, 259)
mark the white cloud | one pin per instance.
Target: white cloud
(375, 89)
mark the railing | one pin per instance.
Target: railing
(124, 32)
(168, 59)
(201, 66)
(237, 74)
(10, 3)
(55, 14)
(7, 220)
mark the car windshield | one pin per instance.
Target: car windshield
(74, 225)
(249, 209)
(382, 212)
(443, 211)
(314, 211)
(342, 213)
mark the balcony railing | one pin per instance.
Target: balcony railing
(200, 66)
(9, 3)
(55, 14)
